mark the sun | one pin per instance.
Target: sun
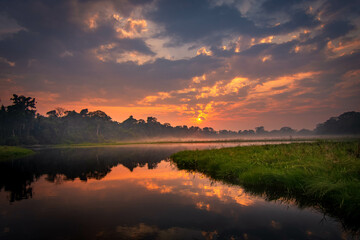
(199, 120)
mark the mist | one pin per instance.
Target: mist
(21, 125)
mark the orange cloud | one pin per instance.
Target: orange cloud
(130, 28)
(92, 21)
(268, 39)
(341, 48)
(105, 53)
(349, 85)
(266, 58)
(202, 112)
(201, 103)
(267, 88)
(4, 60)
(154, 98)
(204, 51)
(134, 56)
(221, 88)
(198, 79)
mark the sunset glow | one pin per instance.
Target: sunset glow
(219, 64)
(163, 180)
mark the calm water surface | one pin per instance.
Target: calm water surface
(134, 192)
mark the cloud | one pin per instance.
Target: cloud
(189, 21)
(337, 29)
(200, 21)
(281, 5)
(51, 28)
(220, 61)
(4, 60)
(8, 26)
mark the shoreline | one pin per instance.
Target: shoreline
(322, 175)
(154, 142)
(12, 152)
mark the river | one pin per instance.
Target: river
(135, 192)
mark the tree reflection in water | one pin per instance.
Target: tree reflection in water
(59, 165)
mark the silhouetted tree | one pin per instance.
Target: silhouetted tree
(19, 125)
(260, 130)
(287, 130)
(346, 123)
(52, 114)
(84, 112)
(100, 118)
(20, 117)
(305, 132)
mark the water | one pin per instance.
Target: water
(134, 192)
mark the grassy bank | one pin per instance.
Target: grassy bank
(269, 140)
(10, 152)
(325, 175)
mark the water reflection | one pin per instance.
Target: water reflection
(64, 164)
(133, 193)
(61, 165)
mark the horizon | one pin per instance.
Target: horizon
(231, 65)
(63, 113)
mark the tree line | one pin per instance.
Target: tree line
(20, 124)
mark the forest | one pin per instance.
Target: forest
(21, 125)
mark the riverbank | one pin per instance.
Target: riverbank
(325, 175)
(180, 141)
(11, 152)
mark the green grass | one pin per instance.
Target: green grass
(10, 152)
(324, 175)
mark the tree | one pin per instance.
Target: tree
(152, 120)
(346, 123)
(21, 115)
(100, 118)
(52, 114)
(260, 130)
(209, 131)
(22, 103)
(129, 123)
(287, 130)
(98, 114)
(84, 112)
(60, 111)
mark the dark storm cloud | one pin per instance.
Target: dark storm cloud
(162, 71)
(337, 29)
(256, 49)
(193, 20)
(52, 27)
(281, 5)
(160, 75)
(344, 63)
(299, 19)
(188, 21)
(340, 8)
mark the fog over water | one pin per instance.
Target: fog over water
(135, 192)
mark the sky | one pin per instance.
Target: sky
(224, 64)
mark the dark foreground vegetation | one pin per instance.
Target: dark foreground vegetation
(324, 175)
(20, 124)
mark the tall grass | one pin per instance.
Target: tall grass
(325, 175)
